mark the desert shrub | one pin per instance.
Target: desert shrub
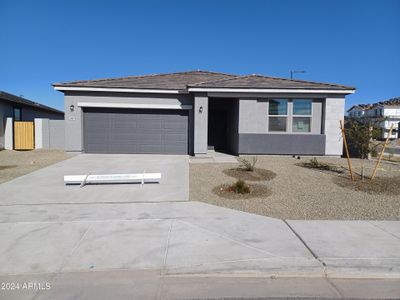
(247, 164)
(315, 164)
(240, 187)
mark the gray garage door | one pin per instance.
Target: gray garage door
(135, 131)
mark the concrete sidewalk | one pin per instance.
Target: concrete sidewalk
(353, 248)
(175, 238)
(186, 238)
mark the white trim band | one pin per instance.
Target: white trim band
(133, 105)
(291, 91)
(222, 90)
(119, 90)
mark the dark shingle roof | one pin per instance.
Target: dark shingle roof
(266, 82)
(390, 102)
(201, 79)
(169, 81)
(19, 100)
(361, 107)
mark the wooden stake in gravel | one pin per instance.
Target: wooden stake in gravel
(347, 150)
(381, 155)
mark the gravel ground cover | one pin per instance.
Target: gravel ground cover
(256, 190)
(380, 185)
(256, 175)
(301, 193)
(17, 163)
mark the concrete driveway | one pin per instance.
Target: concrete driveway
(47, 186)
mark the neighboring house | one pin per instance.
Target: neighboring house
(192, 112)
(357, 111)
(389, 110)
(21, 109)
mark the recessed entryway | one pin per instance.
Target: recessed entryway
(222, 124)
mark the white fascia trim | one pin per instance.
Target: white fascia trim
(133, 105)
(118, 90)
(292, 91)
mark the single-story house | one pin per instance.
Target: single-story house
(21, 109)
(192, 112)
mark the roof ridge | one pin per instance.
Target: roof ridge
(302, 81)
(140, 76)
(210, 72)
(391, 101)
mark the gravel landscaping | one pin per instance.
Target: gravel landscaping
(17, 163)
(379, 186)
(302, 193)
(256, 190)
(256, 175)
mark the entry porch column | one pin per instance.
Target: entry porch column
(200, 114)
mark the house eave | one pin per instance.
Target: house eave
(117, 90)
(286, 91)
(191, 89)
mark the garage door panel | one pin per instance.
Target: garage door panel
(148, 125)
(146, 135)
(171, 138)
(173, 148)
(135, 131)
(171, 125)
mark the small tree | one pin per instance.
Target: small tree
(362, 134)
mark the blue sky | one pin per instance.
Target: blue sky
(349, 42)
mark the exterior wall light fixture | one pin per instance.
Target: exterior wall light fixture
(201, 109)
(72, 108)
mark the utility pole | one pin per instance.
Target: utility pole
(294, 72)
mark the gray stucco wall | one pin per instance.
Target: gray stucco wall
(253, 116)
(251, 119)
(30, 113)
(57, 134)
(254, 137)
(5, 112)
(73, 120)
(49, 134)
(200, 123)
(304, 144)
(334, 112)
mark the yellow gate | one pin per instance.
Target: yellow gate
(23, 136)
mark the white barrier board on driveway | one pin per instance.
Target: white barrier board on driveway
(113, 178)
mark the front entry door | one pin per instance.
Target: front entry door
(217, 129)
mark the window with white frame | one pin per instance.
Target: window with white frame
(278, 115)
(302, 112)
